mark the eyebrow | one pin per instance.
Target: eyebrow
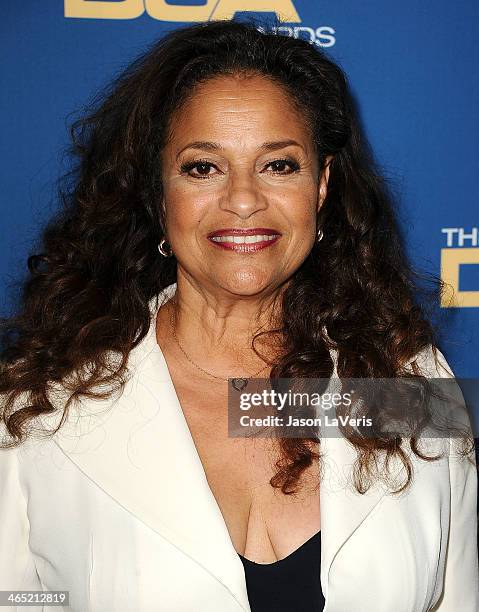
(213, 146)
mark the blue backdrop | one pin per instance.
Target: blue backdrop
(412, 67)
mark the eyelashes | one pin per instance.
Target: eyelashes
(204, 164)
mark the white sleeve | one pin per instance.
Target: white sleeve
(461, 575)
(461, 578)
(17, 566)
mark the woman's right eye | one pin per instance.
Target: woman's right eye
(202, 169)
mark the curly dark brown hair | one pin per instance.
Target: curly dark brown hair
(88, 291)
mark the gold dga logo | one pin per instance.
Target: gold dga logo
(160, 9)
(451, 260)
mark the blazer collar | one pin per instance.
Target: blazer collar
(138, 448)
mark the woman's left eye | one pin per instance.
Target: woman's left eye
(280, 165)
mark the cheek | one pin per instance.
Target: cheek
(299, 207)
(185, 206)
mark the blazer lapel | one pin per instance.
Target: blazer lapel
(138, 448)
(343, 509)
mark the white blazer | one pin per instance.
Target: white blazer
(117, 510)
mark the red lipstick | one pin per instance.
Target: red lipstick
(244, 240)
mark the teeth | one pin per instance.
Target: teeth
(243, 239)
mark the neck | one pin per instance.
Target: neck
(215, 331)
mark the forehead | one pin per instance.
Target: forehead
(237, 108)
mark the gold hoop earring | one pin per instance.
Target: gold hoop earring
(161, 248)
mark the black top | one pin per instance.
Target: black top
(288, 585)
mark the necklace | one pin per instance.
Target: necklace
(238, 383)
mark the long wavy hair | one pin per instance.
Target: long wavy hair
(88, 291)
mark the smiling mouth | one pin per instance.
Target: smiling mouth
(245, 244)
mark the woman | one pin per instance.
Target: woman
(222, 197)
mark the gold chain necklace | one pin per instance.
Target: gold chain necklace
(238, 383)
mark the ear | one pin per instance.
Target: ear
(162, 215)
(323, 182)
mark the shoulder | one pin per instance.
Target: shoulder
(432, 363)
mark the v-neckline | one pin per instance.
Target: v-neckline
(313, 538)
(170, 291)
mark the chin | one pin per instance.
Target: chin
(247, 282)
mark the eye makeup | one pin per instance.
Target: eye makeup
(186, 167)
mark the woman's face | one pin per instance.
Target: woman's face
(240, 157)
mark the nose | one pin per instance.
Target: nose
(242, 196)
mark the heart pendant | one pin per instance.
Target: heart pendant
(239, 383)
